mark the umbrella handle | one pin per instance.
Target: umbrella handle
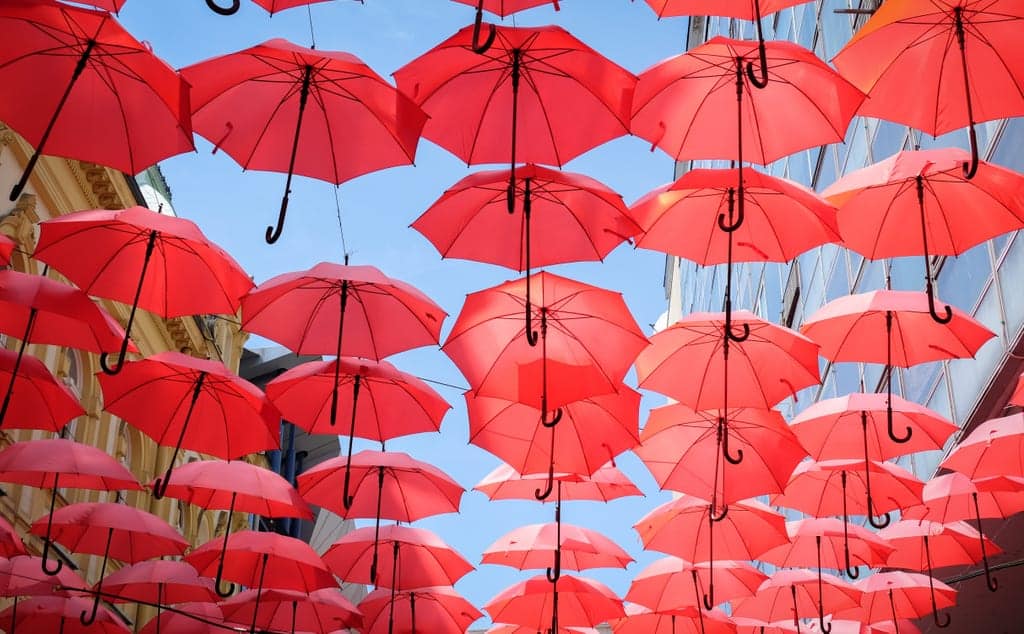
(479, 47)
(725, 449)
(931, 587)
(947, 312)
(555, 572)
(46, 557)
(107, 369)
(49, 530)
(851, 571)
(546, 493)
(762, 81)
(228, 10)
(734, 205)
(719, 518)
(990, 581)
(971, 168)
(554, 418)
(90, 618)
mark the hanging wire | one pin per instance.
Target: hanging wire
(341, 225)
(461, 388)
(312, 35)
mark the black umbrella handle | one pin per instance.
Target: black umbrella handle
(825, 627)
(929, 285)
(231, 9)
(478, 46)
(940, 623)
(796, 614)
(762, 81)
(696, 592)
(47, 543)
(89, 618)
(223, 553)
(851, 571)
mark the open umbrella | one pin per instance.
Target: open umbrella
(501, 8)
(158, 583)
(272, 6)
(537, 602)
(686, 527)
(671, 583)
(924, 545)
(993, 448)
(430, 610)
(60, 614)
(891, 596)
(604, 485)
(641, 620)
(161, 263)
(966, 44)
(573, 547)
(566, 217)
(798, 593)
(37, 399)
(57, 462)
(913, 203)
(10, 543)
(505, 628)
(112, 530)
(187, 403)
(325, 610)
(21, 575)
(37, 309)
(423, 559)
(385, 485)
(188, 618)
(859, 425)
(110, 100)
(347, 119)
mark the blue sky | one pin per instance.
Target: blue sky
(233, 208)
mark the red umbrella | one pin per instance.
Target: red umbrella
(746, 625)
(886, 55)
(505, 628)
(954, 496)
(21, 575)
(163, 264)
(37, 399)
(570, 601)
(896, 595)
(385, 485)
(57, 462)
(324, 610)
(111, 100)
(7, 248)
(258, 560)
(882, 205)
(791, 594)
(686, 527)
(10, 543)
(993, 448)
(592, 431)
(423, 559)
(640, 620)
(923, 545)
(435, 609)
(842, 428)
(162, 394)
(672, 583)
(60, 614)
(501, 8)
(37, 309)
(188, 618)
(159, 582)
(680, 444)
(272, 6)
(348, 120)
(113, 530)
(537, 83)
(566, 217)
(782, 218)
(574, 548)
(604, 485)
(394, 403)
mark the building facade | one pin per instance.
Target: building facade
(61, 186)
(984, 282)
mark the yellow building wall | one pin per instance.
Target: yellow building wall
(58, 187)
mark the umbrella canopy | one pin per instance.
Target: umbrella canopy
(435, 609)
(203, 618)
(951, 496)
(993, 448)
(10, 543)
(384, 402)
(423, 559)
(564, 217)
(37, 399)
(533, 546)
(309, 312)
(894, 327)
(782, 218)
(505, 8)
(534, 85)
(966, 44)
(161, 263)
(573, 601)
(259, 560)
(323, 114)
(839, 487)
(640, 620)
(51, 463)
(59, 614)
(922, 545)
(158, 581)
(685, 361)
(110, 99)
(701, 104)
(739, 9)
(324, 610)
(679, 445)
(670, 584)
(22, 575)
(604, 485)
(799, 594)
(894, 595)
(592, 431)
(829, 543)
(188, 403)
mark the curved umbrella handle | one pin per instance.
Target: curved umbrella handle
(274, 233)
(478, 47)
(990, 581)
(796, 615)
(723, 223)
(160, 484)
(223, 593)
(231, 9)
(970, 169)
(885, 520)
(947, 312)
(46, 557)
(88, 619)
(555, 419)
(719, 518)
(542, 495)
(851, 571)
(762, 81)
(725, 450)
(555, 572)
(892, 434)
(49, 531)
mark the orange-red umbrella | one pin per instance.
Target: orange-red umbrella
(37, 399)
(411, 558)
(60, 614)
(158, 582)
(672, 583)
(501, 8)
(57, 462)
(686, 527)
(22, 575)
(188, 618)
(798, 594)
(993, 448)
(435, 609)
(325, 610)
(689, 620)
(891, 596)
(188, 403)
(604, 485)
(573, 547)
(109, 100)
(347, 119)
(969, 48)
(571, 601)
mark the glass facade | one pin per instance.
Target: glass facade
(980, 281)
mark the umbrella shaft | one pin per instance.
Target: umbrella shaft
(17, 364)
(337, 361)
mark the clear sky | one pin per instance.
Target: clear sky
(234, 207)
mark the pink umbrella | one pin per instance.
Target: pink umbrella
(994, 448)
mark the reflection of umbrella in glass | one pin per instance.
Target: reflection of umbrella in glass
(887, 56)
